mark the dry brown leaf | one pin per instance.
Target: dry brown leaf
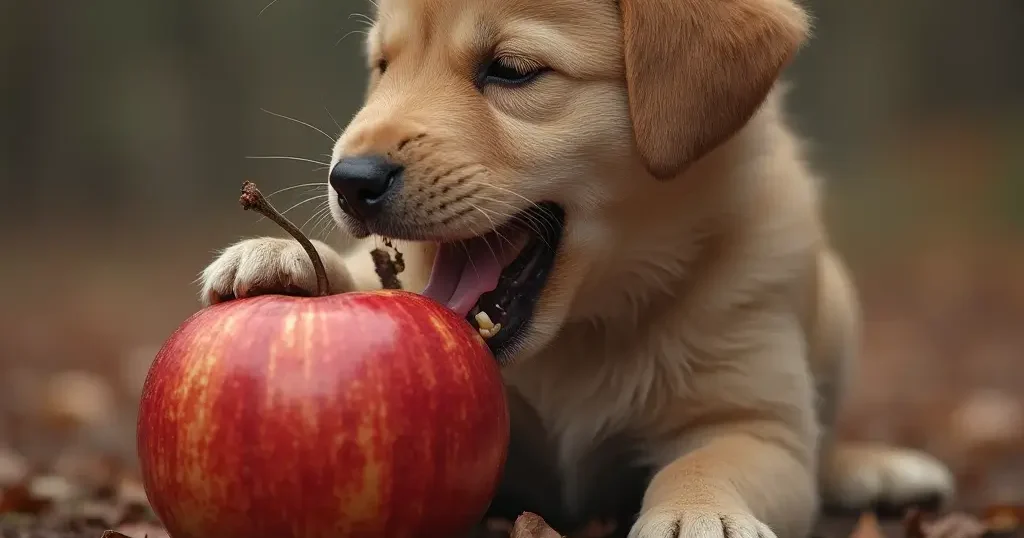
(867, 527)
(1003, 519)
(530, 525)
(954, 525)
(19, 499)
(951, 525)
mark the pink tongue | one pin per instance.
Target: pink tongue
(463, 272)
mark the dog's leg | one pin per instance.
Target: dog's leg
(858, 476)
(739, 483)
(744, 465)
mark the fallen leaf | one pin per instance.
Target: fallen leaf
(20, 500)
(954, 525)
(530, 525)
(1003, 519)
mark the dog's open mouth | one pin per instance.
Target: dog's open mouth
(495, 280)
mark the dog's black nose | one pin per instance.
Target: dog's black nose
(363, 183)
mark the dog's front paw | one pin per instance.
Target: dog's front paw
(266, 265)
(697, 522)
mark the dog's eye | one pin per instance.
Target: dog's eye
(382, 65)
(508, 71)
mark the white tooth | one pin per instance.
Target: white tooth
(483, 320)
(486, 333)
(495, 329)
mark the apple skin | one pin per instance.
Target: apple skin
(365, 414)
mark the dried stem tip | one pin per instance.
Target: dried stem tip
(253, 199)
(387, 269)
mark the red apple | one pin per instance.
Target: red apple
(369, 414)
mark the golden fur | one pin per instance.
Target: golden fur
(698, 318)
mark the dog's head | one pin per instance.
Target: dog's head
(500, 128)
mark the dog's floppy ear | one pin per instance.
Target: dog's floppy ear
(697, 70)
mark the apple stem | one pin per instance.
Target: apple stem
(253, 199)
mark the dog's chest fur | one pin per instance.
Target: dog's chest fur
(586, 432)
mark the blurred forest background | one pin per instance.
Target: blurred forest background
(126, 127)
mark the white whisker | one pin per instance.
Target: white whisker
(364, 32)
(315, 218)
(469, 257)
(306, 201)
(316, 212)
(288, 158)
(494, 229)
(300, 122)
(531, 219)
(528, 220)
(325, 222)
(279, 191)
(272, 2)
(336, 124)
(516, 194)
(515, 219)
(303, 202)
(363, 18)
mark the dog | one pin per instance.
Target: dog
(610, 192)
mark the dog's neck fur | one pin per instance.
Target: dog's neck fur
(645, 273)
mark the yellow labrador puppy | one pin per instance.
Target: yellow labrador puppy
(609, 190)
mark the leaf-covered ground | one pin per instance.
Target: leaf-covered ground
(93, 497)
